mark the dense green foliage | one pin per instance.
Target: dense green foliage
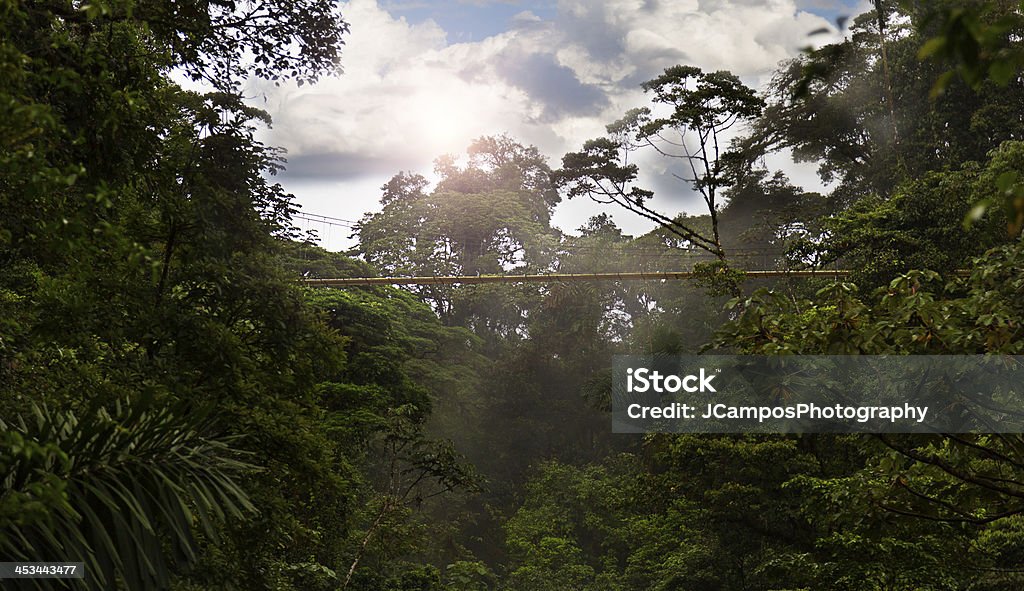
(178, 412)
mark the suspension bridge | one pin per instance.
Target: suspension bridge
(753, 263)
(553, 278)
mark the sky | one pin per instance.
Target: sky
(424, 78)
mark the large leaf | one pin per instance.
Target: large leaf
(121, 489)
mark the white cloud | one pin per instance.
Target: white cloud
(408, 95)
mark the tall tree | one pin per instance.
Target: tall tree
(490, 216)
(701, 108)
(138, 263)
(825, 107)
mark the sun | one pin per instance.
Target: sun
(448, 118)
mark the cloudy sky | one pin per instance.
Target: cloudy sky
(423, 78)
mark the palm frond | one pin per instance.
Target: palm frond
(121, 489)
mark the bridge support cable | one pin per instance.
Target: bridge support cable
(555, 278)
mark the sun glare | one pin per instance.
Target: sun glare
(447, 119)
